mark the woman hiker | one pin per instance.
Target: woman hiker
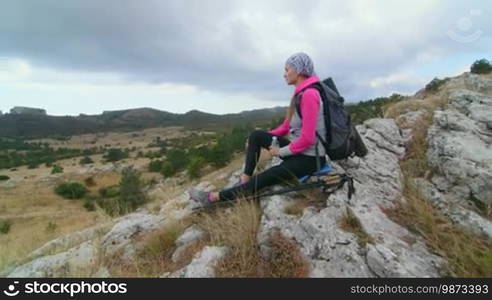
(298, 155)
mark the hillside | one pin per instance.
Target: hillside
(422, 208)
(38, 126)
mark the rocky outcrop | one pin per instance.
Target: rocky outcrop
(334, 252)
(460, 152)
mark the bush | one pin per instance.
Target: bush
(110, 191)
(86, 160)
(155, 166)
(115, 154)
(51, 227)
(196, 164)
(56, 169)
(5, 226)
(89, 181)
(482, 66)
(4, 177)
(71, 190)
(168, 169)
(435, 84)
(131, 193)
(33, 165)
(89, 205)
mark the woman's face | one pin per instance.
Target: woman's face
(290, 75)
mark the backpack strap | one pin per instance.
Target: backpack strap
(317, 86)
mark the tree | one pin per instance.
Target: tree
(131, 192)
(482, 66)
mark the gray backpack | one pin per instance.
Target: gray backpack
(342, 139)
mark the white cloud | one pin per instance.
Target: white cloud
(213, 51)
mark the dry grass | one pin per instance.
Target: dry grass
(38, 216)
(350, 223)
(154, 255)
(430, 104)
(236, 228)
(308, 198)
(286, 260)
(468, 255)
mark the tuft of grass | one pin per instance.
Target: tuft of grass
(350, 223)
(51, 227)
(309, 198)
(236, 228)
(286, 260)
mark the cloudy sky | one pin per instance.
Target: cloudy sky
(86, 56)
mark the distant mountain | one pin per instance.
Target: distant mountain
(35, 126)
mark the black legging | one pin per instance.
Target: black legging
(291, 168)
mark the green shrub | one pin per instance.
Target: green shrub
(196, 164)
(86, 160)
(71, 190)
(110, 205)
(435, 84)
(110, 191)
(4, 177)
(482, 66)
(115, 154)
(155, 166)
(56, 169)
(168, 169)
(5, 226)
(89, 205)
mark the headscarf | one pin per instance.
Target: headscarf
(301, 63)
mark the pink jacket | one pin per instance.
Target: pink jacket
(310, 104)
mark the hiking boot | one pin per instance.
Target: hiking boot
(200, 197)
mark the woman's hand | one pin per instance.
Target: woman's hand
(274, 151)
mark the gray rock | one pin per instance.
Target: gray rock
(191, 235)
(202, 265)
(474, 105)
(76, 262)
(68, 241)
(462, 155)
(126, 229)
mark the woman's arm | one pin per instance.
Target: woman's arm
(310, 108)
(282, 130)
